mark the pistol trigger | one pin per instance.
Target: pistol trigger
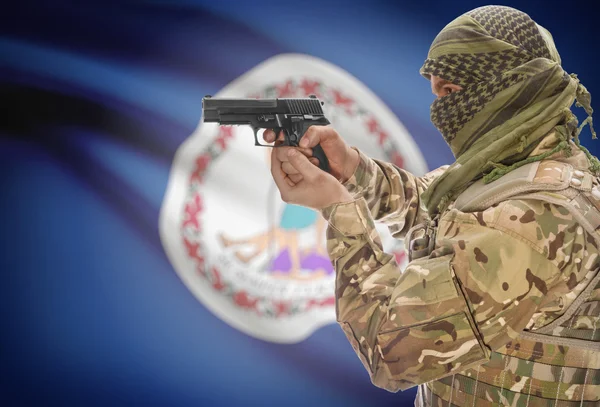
(286, 138)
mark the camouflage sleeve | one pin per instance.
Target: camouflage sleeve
(445, 312)
(392, 194)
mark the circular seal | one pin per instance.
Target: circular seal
(256, 262)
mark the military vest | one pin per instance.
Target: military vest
(557, 364)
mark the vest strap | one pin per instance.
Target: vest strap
(538, 176)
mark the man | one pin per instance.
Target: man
(500, 303)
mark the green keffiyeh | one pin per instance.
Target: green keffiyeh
(514, 92)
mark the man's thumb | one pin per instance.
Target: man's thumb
(302, 165)
(311, 138)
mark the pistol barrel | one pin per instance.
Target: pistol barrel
(224, 103)
(216, 108)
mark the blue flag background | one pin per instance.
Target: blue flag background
(96, 97)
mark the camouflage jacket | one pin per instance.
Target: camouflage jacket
(514, 266)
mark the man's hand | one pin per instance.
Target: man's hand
(317, 189)
(342, 159)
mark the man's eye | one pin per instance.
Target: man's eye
(448, 91)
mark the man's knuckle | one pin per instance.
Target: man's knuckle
(319, 178)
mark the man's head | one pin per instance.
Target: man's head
(501, 90)
(483, 52)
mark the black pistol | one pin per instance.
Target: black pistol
(293, 116)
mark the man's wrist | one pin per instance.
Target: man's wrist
(352, 164)
(340, 198)
(363, 172)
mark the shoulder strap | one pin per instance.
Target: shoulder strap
(538, 176)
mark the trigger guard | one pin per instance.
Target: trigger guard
(255, 130)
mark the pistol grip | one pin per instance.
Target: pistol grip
(319, 154)
(299, 129)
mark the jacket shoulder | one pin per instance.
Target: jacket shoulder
(546, 227)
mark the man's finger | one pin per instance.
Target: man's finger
(296, 178)
(278, 175)
(269, 135)
(311, 138)
(282, 152)
(293, 173)
(303, 166)
(288, 168)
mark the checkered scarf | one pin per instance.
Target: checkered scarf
(514, 92)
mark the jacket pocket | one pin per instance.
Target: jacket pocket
(429, 332)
